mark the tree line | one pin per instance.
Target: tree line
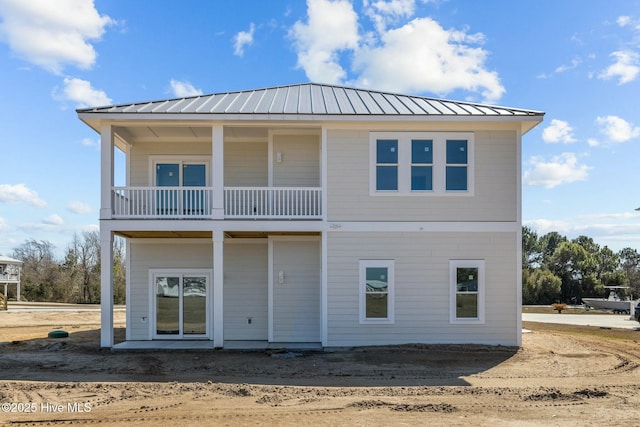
(556, 269)
(75, 278)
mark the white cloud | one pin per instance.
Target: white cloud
(332, 26)
(82, 93)
(422, 55)
(617, 129)
(53, 34)
(575, 62)
(415, 57)
(184, 89)
(623, 21)
(614, 230)
(384, 13)
(562, 169)
(53, 219)
(3, 224)
(88, 142)
(593, 142)
(558, 131)
(625, 68)
(242, 39)
(79, 208)
(20, 194)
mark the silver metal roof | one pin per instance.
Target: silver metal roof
(313, 99)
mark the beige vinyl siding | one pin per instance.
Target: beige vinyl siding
(422, 287)
(141, 151)
(246, 164)
(145, 255)
(495, 195)
(245, 291)
(300, 165)
(296, 302)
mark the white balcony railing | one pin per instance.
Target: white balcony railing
(273, 202)
(197, 202)
(162, 202)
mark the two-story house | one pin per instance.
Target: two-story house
(313, 216)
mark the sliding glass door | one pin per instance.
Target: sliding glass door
(181, 304)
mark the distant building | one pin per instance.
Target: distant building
(313, 216)
(10, 275)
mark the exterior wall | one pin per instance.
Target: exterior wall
(160, 253)
(246, 291)
(296, 302)
(422, 287)
(300, 165)
(495, 196)
(140, 152)
(246, 164)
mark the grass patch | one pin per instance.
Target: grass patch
(630, 335)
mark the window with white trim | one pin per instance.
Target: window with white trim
(467, 291)
(422, 163)
(376, 291)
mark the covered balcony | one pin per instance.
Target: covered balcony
(176, 202)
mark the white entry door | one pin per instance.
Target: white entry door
(295, 282)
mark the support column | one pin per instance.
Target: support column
(218, 288)
(324, 283)
(217, 171)
(106, 170)
(106, 288)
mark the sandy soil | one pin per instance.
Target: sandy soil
(561, 376)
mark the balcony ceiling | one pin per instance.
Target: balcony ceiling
(161, 132)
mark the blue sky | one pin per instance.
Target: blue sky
(578, 61)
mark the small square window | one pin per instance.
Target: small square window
(456, 152)
(422, 151)
(456, 178)
(421, 178)
(386, 178)
(387, 151)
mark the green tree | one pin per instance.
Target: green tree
(531, 252)
(572, 263)
(548, 245)
(540, 287)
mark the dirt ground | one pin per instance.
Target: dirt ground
(562, 375)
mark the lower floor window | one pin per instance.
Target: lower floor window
(376, 291)
(467, 291)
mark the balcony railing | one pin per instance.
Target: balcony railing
(273, 202)
(197, 202)
(162, 202)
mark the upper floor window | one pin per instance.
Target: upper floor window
(387, 164)
(410, 163)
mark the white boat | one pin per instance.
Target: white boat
(613, 303)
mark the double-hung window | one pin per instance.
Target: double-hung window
(376, 291)
(457, 165)
(467, 291)
(422, 163)
(386, 164)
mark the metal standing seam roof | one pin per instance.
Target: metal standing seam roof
(313, 99)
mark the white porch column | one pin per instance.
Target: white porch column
(217, 171)
(324, 294)
(106, 170)
(106, 287)
(218, 287)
